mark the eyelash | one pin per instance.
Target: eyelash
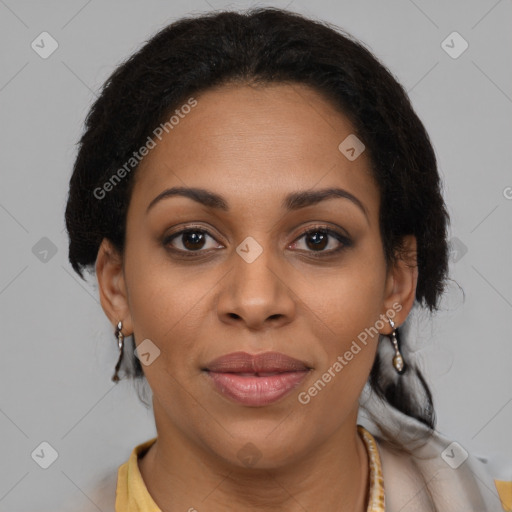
(345, 242)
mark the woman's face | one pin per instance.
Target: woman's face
(246, 279)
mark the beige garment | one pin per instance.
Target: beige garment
(440, 475)
(423, 482)
(412, 483)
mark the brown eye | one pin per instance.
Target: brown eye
(193, 240)
(188, 240)
(317, 240)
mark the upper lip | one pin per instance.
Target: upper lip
(242, 362)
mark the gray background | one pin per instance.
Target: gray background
(58, 348)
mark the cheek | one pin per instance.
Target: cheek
(167, 309)
(345, 354)
(343, 303)
(346, 322)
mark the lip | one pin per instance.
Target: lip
(266, 362)
(256, 380)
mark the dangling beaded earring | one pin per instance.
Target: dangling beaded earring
(398, 360)
(120, 343)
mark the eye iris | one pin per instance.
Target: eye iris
(193, 239)
(319, 242)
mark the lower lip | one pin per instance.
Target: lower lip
(254, 390)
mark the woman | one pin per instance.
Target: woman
(263, 212)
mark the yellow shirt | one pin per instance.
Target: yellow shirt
(133, 496)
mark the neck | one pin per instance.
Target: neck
(180, 474)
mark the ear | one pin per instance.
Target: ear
(112, 286)
(401, 282)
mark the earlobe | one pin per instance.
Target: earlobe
(402, 280)
(112, 286)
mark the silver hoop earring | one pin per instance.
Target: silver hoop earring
(120, 344)
(398, 360)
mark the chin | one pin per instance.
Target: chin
(260, 446)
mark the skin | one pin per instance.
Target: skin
(253, 146)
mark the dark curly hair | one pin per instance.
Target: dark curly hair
(262, 46)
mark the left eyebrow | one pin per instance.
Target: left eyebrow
(305, 198)
(293, 201)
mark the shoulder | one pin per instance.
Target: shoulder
(404, 484)
(122, 487)
(431, 472)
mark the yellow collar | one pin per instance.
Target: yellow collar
(133, 496)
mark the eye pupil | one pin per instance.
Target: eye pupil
(191, 238)
(319, 238)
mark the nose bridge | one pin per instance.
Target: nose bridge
(255, 291)
(254, 279)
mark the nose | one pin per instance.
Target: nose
(256, 293)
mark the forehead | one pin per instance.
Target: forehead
(255, 143)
